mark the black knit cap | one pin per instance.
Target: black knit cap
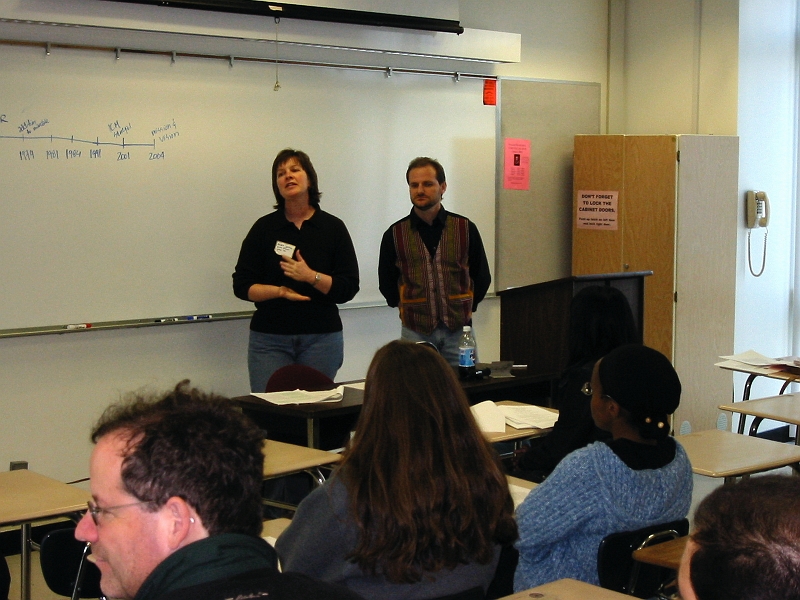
(641, 380)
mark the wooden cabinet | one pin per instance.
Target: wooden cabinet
(676, 215)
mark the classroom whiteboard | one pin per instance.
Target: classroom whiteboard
(129, 184)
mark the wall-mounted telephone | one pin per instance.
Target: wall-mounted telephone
(757, 215)
(757, 209)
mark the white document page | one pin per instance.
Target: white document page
(751, 357)
(754, 359)
(302, 396)
(489, 417)
(524, 417)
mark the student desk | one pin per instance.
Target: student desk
(716, 453)
(284, 459)
(754, 372)
(515, 435)
(26, 497)
(325, 425)
(784, 408)
(295, 422)
(567, 589)
(273, 528)
(665, 554)
(519, 488)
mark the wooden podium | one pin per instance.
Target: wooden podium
(534, 319)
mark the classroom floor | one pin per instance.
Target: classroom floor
(39, 589)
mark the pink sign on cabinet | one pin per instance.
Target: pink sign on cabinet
(597, 210)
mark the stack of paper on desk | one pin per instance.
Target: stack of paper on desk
(523, 417)
(492, 418)
(302, 396)
(751, 358)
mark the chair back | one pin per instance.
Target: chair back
(5, 579)
(64, 566)
(618, 570)
(299, 377)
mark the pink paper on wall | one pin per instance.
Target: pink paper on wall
(517, 164)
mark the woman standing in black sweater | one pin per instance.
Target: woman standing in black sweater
(296, 264)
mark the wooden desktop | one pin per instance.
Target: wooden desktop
(26, 497)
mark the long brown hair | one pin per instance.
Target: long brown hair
(426, 489)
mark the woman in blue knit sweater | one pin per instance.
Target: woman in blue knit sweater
(638, 478)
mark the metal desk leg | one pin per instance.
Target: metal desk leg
(746, 396)
(317, 475)
(312, 432)
(733, 478)
(747, 385)
(25, 562)
(754, 426)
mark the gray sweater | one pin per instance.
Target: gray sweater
(589, 495)
(322, 534)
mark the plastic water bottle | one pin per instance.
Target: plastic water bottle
(467, 353)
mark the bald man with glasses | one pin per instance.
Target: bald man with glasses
(176, 509)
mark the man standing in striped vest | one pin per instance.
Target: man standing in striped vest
(432, 264)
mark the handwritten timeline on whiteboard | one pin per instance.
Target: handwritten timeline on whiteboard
(73, 148)
(131, 183)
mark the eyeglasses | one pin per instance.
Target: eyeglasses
(95, 511)
(586, 390)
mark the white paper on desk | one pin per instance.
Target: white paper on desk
(751, 357)
(358, 385)
(754, 359)
(302, 396)
(489, 418)
(524, 417)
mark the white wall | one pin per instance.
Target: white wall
(679, 67)
(768, 132)
(53, 387)
(728, 67)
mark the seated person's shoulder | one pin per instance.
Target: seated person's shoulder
(264, 583)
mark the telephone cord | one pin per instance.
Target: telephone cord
(763, 255)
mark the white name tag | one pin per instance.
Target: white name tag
(284, 249)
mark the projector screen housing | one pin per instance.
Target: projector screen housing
(312, 13)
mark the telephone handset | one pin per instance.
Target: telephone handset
(757, 215)
(757, 209)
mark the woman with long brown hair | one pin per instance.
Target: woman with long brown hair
(419, 507)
